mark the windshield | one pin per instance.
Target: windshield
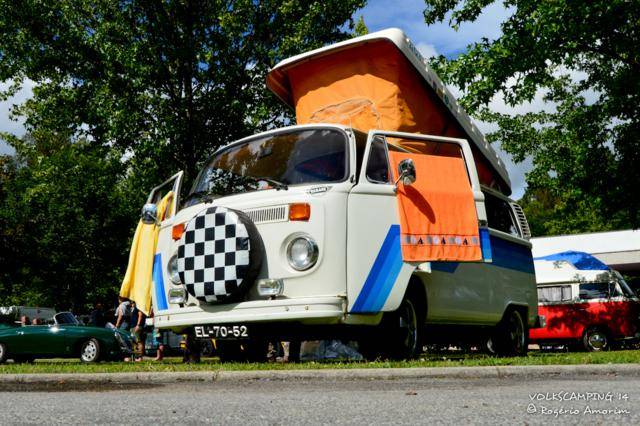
(66, 318)
(294, 158)
(628, 292)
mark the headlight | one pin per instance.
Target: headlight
(302, 253)
(172, 268)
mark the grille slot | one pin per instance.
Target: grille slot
(522, 219)
(268, 214)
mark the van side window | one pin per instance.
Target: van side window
(590, 291)
(556, 293)
(500, 215)
(378, 162)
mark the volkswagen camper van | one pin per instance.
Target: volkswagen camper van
(382, 216)
(584, 303)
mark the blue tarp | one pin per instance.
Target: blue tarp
(579, 259)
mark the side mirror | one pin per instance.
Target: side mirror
(149, 214)
(406, 172)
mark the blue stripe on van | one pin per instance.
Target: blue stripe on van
(510, 255)
(383, 274)
(485, 244)
(158, 283)
(506, 254)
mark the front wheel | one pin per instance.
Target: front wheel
(90, 351)
(3, 352)
(595, 340)
(405, 329)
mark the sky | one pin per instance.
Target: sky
(430, 40)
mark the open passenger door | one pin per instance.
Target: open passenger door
(440, 206)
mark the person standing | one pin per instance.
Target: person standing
(97, 316)
(123, 314)
(139, 333)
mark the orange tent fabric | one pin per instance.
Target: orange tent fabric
(372, 86)
(438, 220)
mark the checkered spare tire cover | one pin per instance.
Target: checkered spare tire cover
(219, 255)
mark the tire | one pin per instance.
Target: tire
(595, 339)
(405, 328)
(254, 350)
(230, 351)
(25, 359)
(3, 352)
(511, 336)
(90, 351)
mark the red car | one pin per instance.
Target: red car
(588, 308)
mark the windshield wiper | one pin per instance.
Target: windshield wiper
(275, 183)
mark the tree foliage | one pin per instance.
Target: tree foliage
(581, 56)
(139, 89)
(65, 219)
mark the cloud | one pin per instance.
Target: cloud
(427, 50)
(7, 124)
(378, 15)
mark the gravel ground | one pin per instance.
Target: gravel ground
(329, 401)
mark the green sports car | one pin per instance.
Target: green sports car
(63, 337)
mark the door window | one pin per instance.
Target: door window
(589, 291)
(500, 215)
(378, 162)
(556, 293)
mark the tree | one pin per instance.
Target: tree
(581, 57)
(169, 81)
(65, 219)
(127, 93)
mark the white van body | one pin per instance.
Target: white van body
(350, 222)
(359, 274)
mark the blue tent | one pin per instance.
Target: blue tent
(579, 259)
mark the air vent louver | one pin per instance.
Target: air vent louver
(268, 214)
(522, 219)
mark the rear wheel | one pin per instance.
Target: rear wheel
(3, 352)
(254, 350)
(25, 359)
(90, 351)
(595, 339)
(510, 337)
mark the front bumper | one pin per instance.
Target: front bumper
(306, 310)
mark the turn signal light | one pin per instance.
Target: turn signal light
(177, 231)
(299, 211)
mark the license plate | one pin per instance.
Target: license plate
(211, 331)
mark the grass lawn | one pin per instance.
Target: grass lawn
(429, 360)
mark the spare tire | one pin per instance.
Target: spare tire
(219, 255)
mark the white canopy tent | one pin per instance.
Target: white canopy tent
(620, 250)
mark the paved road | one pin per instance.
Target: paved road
(358, 402)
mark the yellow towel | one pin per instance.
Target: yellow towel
(136, 284)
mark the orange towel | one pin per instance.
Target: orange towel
(438, 219)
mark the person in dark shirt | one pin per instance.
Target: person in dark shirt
(97, 316)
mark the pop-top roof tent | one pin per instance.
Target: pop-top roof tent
(381, 81)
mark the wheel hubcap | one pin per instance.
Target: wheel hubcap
(516, 333)
(409, 326)
(89, 352)
(597, 341)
